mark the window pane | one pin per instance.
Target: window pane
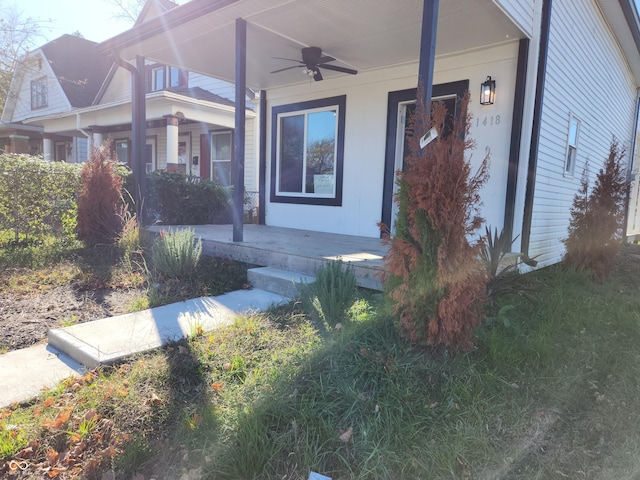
(122, 151)
(321, 146)
(573, 132)
(174, 76)
(222, 173)
(221, 146)
(291, 153)
(158, 78)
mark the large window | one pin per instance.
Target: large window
(307, 152)
(39, 97)
(221, 151)
(572, 146)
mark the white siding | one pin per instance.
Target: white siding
(521, 12)
(37, 68)
(119, 88)
(587, 77)
(365, 137)
(219, 87)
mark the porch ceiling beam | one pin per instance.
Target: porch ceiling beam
(239, 134)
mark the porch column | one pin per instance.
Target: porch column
(239, 138)
(428, 50)
(139, 133)
(172, 138)
(47, 149)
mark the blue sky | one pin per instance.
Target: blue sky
(94, 19)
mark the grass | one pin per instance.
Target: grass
(551, 391)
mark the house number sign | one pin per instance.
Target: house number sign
(488, 121)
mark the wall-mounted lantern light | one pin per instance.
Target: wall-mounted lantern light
(488, 92)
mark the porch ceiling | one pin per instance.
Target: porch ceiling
(360, 34)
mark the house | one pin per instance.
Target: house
(50, 81)
(337, 80)
(189, 116)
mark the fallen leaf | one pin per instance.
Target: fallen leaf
(345, 435)
(154, 400)
(48, 401)
(52, 457)
(217, 386)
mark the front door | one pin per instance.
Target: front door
(401, 107)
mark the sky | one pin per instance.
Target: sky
(94, 19)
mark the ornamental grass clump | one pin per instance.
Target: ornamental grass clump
(176, 253)
(434, 276)
(333, 293)
(597, 218)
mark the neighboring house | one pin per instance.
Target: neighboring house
(566, 82)
(190, 116)
(60, 76)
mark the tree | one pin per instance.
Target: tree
(596, 227)
(17, 36)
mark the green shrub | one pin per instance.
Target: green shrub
(99, 202)
(595, 230)
(175, 254)
(175, 199)
(37, 197)
(333, 293)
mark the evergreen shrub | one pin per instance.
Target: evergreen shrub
(434, 276)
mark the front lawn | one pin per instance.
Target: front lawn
(551, 391)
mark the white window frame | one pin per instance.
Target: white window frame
(156, 83)
(214, 160)
(573, 137)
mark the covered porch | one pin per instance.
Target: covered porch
(295, 250)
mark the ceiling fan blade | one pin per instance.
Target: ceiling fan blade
(325, 59)
(288, 59)
(317, 76)
(336, 68)
(287, 68)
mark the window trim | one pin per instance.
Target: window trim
(42, 94)
(302, 107)
(572, 147)
(167, 70)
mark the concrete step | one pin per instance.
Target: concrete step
(111, 339)
(276, 280)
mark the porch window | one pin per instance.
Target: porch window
(221, 151)
(307, 152)
(122, 150)
(157, 79)
(572, 146)
(39, 97)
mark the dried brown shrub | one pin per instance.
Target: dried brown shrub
(99, 198)
(434, 275)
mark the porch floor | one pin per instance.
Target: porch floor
(295, 250)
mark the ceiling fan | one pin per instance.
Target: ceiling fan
(313, 61)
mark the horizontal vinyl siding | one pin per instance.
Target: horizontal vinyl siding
(588, 77)
(219, 87)
(522, 13)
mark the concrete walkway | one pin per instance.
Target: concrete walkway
(25, 373)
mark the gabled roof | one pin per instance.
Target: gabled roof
(153, 8)
(78, 66)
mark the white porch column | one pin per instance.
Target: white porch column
(172, 138)
(97, 139)
(47, 149)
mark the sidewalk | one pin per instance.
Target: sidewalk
(25, 373)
